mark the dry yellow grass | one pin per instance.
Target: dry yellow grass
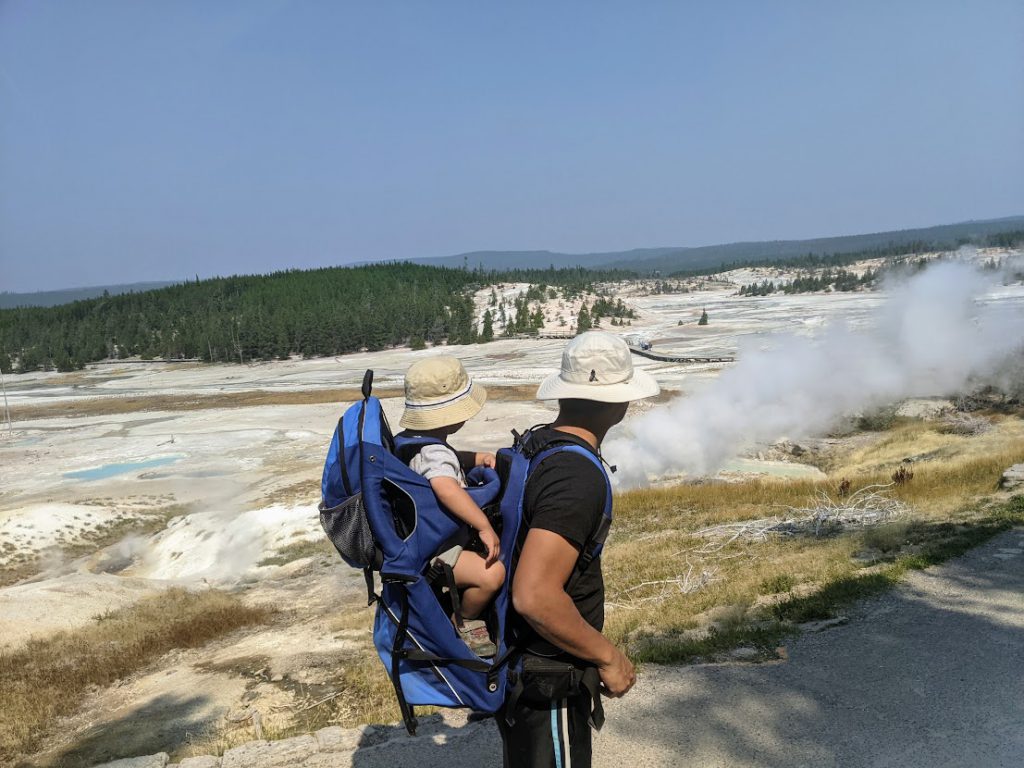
(113, 405)
(655, 542)
(966, 467)
(941, 488)
(46, 679)
(928, 442)
(809, 576)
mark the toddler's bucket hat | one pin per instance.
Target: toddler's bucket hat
(439, 392)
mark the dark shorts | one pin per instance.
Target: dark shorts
(551, 734)
(550, 716)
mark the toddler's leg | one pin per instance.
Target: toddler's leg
(477, 582)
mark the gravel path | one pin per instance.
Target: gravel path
(929, 674)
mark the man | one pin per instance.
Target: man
(558, 599)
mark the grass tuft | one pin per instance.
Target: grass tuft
(320, 546)
(763, 638)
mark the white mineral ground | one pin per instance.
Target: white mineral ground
(238, 484)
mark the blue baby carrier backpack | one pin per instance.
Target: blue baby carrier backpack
(384, 518)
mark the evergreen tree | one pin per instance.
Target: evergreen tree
(703, 318)
(583, 319)
(308, 312)
(487, 333)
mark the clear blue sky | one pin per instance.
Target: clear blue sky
(164, 139)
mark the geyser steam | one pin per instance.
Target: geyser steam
(931, 336)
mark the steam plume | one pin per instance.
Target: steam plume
(931, 337)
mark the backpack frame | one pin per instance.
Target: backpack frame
(383, 517)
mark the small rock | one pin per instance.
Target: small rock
(1013, 477)
(337, 739)
(245, 756)
(159, 760)
(818, 626)
(288, 751)
(923, 408)
(206, 761)
(745, 653)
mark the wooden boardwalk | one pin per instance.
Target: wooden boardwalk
(651, 355)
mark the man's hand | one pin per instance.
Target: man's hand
(493, 544)
(617, 675)
(485, 460)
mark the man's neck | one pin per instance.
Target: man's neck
(593, 438)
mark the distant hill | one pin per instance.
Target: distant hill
(645, 261)
(502, 260)
(943, 237)
(678, 259)
(66, 296)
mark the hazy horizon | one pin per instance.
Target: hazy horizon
(170, 281)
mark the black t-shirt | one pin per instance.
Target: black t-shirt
(566, 495)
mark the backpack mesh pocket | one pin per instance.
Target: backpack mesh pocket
(349, 530)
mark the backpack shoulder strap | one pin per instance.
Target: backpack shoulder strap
(406, 448)
(593, 546)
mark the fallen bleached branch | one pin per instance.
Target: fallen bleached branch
(868, 506)
(682, 584)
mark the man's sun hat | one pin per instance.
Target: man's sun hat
(598, 365)
(439, 393)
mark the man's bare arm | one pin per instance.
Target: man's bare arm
(539, 596)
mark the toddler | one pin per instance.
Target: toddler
(439, 398)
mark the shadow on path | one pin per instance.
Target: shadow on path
(162, 725)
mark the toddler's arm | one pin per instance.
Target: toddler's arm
(470, 459)
(461, 504)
